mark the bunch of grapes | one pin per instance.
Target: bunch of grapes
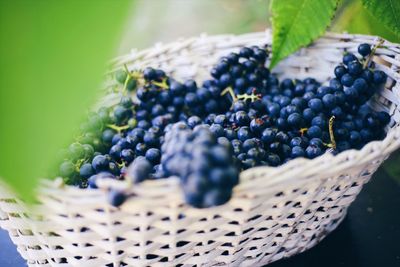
(240, 118)
(205, 166)
(270, 123)
(114, 136)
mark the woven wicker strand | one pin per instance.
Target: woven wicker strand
(274, 213)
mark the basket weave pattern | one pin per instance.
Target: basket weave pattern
(274, 213)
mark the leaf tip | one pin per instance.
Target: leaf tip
(274, 61)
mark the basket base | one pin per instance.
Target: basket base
(298, 248)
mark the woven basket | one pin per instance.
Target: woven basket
(274, 213)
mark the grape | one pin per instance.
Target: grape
(131, 84)
(107, 136)
(121, 75)
(241, 118)
(100, 163)
(329, 101)
(76, 151)
(340, 71)
(139, 170)
(315, 104)
(244, 133)
(349, 57)
(379, 77)
(149, 74)
(246, 52)
(313, 151)
(116, 198)
(121, 114)
(86, 170)
(153, 155)
(67, 169)
(354, 68)
(314, 132)
(364, 49)
(347, 80)
(295, 120)
(360, 85)
(127, 155)
(273, 159)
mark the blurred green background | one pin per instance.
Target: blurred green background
(152, 21)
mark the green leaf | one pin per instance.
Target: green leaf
(362, 23)
(298, 23)
(387, 12)
(53, 56)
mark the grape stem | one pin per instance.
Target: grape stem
(163, 84)
(332, 144)
(120, 165)
(371, 55)
(79, 164)
(136, 75)
(252, 97)
(303, 131)
(231, 93)
(119, 129)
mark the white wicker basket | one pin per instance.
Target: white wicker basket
(274, 212)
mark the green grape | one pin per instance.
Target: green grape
(131, 85)
(67, 169)
(120, 76)
(95, 123)
(89, 151)
(76, 151)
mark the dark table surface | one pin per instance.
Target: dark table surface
(368, 237)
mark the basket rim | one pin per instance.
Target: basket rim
(373, 149)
